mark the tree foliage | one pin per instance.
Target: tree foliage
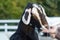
(13, 9)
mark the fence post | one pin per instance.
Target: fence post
(5, 27)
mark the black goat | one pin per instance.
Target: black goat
(33, 16)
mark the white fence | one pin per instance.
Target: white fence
(6, 26)
(5, 34)
(51, 21)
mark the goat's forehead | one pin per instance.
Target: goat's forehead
(40, 8)
(37, 7)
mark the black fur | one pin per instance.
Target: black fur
(26, 32)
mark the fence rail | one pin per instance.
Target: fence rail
(5, 26)
(6, 34)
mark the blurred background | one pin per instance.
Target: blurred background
(11, 11)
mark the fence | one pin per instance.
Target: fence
(6, 26)
(11, 25)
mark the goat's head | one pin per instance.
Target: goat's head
(34, 14)
(40, 14)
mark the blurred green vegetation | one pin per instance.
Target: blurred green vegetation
(13, 9)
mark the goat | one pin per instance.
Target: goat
(33, 16)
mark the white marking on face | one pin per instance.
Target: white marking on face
(29, 17)
(39, 7)
(35, 5)
(35, 12)
(43, 10)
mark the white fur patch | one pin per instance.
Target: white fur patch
(29, 17)
(35, 12)
(35, 5)
(42, 11)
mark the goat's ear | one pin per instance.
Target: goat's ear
(26, 16)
